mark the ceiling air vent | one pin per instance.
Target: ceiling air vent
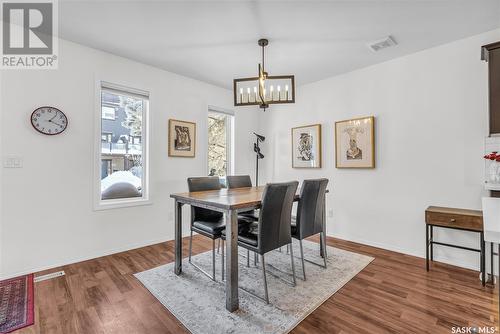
(382, 44)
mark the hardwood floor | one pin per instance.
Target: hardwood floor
(394, 294)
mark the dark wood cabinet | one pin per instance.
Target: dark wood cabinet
(491, 54)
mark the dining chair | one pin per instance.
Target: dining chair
(310, 213)
(273, 228)
(206, 222)
(242, 181)
(203, 221)
(491, 222)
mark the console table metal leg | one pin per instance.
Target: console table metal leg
(431, 244)
(427, 247)
(492, 278)
(483, 259)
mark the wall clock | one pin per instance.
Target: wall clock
(49, 120)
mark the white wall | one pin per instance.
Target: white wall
(48, 217)
(431, 118)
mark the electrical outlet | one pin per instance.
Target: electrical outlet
(12, 162)
(330, 213)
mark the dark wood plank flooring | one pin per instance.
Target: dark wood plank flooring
(394, 294)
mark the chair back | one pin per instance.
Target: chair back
(202, 184)
(311, 207)
(238, 181)
(491, 219)
(275, 215)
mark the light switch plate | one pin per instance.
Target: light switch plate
(12, 162)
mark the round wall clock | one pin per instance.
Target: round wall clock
(49, 120)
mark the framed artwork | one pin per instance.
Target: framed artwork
(181, 138)
(306, 146)
(355, 143)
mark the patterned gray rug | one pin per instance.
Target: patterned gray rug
(199, 303)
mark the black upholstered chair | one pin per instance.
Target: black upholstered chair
(273, 229)
(207, 222)
(203, 221)
(242, 181)
(310, 213)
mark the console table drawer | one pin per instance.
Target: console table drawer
(464, 219)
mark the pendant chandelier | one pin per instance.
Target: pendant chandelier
(264, 89)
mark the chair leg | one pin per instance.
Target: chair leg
(293, 265)
(265, 280)
(255, 259)
(190, 245)
(287, 249)
(325, 255)
(248, 258)
(223, 262)
(213, 259)
(302, 257)
(218, 246)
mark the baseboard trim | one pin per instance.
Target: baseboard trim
(447, 260)
(86, 258)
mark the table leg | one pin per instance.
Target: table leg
(232, 303)
(483, 259)
(432, 245)
(178, 238)
(427, 247)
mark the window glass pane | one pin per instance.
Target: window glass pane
(121, 148)
(217, 144)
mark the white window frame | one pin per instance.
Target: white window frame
(229, 137)
(124, 89)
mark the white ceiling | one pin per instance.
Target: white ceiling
(216, 41)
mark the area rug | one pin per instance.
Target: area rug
(16, 303)
(199, 303)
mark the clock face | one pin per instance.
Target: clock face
(49, 120)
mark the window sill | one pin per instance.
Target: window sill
(121, 203)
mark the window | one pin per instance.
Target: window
(123, 152)
(108, 112)
(219, 143)
(106, 137)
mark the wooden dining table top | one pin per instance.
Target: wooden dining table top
(227, 199)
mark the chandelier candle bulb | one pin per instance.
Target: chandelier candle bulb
(255, 93)
(241, 95)
(248, 93)
(271, 94)
(279, 93)
(286, 92)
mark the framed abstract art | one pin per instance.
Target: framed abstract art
(355, 143)
(181, 138)
(306, 146)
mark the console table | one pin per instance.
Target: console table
(457, 219)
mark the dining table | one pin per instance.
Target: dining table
(229, 202)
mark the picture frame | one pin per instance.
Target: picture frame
(355, 143)
(181, 138)
(306, 146)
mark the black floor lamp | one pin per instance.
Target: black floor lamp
(259, 155)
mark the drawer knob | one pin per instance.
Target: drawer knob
(452, 220)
